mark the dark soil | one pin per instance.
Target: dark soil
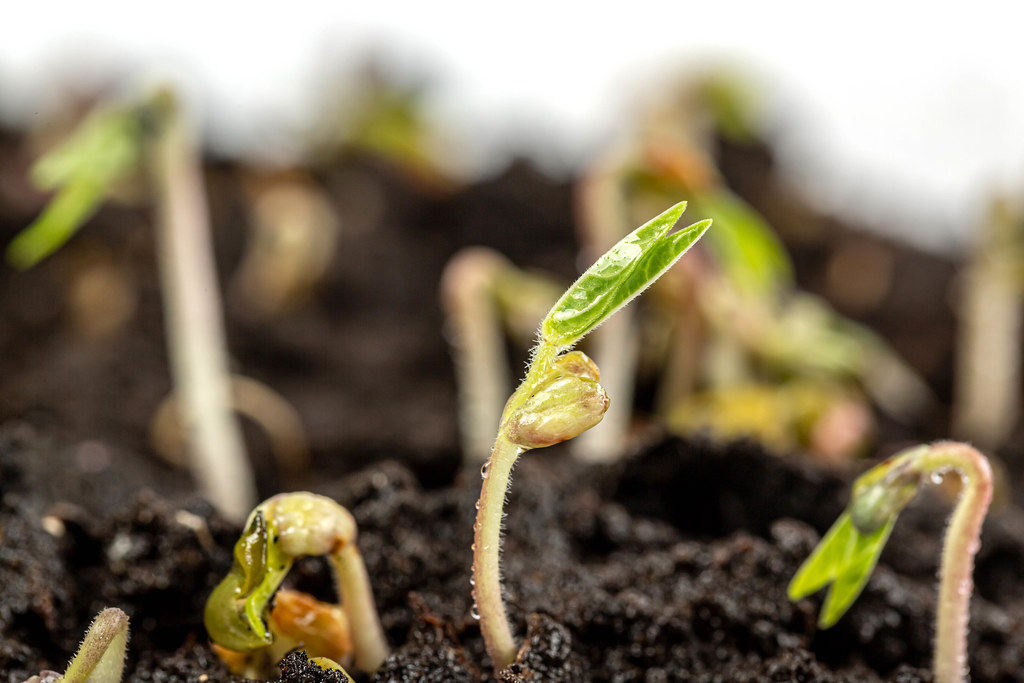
(671, 565)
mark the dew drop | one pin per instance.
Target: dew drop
(474, 612)
(472, 581)
(473, 547)
(483, 470)
(936, 477)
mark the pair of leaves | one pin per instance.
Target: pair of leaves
(848, 553)
(621, 274)
(236, 610)
(844, 558)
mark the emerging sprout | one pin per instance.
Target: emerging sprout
(846, 555)
(111, 145)
(100, 657)
(279, 530)
(560, 396)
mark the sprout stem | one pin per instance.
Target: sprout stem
(961, 544)
(489, 605)
(356, 596)
(195, 329)
(480, 370)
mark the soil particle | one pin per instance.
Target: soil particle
(297, 668)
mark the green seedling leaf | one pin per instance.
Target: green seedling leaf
(102, 151)
(845, 559)
(100, 658)
(751, 254)
(235, 615)
(620, 275)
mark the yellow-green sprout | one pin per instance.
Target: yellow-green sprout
(279, 530)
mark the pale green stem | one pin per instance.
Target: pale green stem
(195, 328)
(480, 361)
(490, 607)
(961, 544)
(356, 595)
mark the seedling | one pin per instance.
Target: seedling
(110, 146)
(560, 397)
(100, 657)
(846, 555)
(251, 398)
(483, 292)
(279, 530)
(289, 249)
(988, 373)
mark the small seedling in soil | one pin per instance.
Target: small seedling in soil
(560, 397)
(846, 555)
(111, 145)
(100, 657)
(279, 530)
(987, 397)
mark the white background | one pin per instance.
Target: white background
(906, 115)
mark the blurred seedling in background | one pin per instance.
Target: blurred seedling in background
(561, 397)
(373, 113)
(732, 327)
(251, 399)
(152, 138)
(849, 551)
(486, 298)
(100, 657)
(292, 241)
(251, 636)
(987, 397)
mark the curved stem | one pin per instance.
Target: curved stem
(961, 544)
(490, 607)
(356, 597)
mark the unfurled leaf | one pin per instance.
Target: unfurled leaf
(620, 275)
